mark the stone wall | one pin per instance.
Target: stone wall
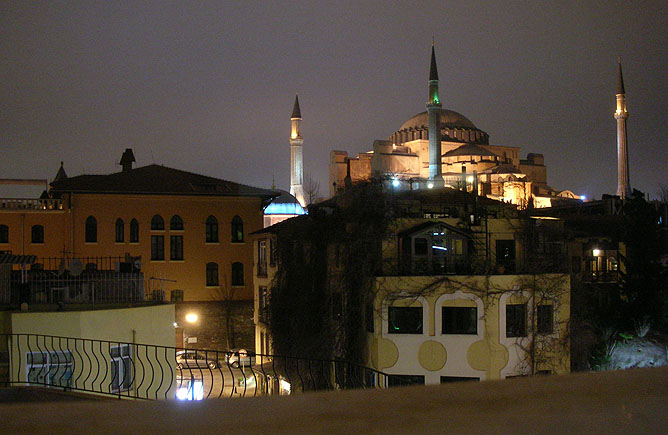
(210, 331)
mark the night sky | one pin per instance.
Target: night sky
(208, 87)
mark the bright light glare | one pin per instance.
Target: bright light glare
(191, 317)
(440, 247)
(285, 387)
(395, 183)
(584, 198)
(596, 252)
(469, 179)
(191, 391)
(430, 185)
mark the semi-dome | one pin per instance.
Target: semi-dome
(455, 127)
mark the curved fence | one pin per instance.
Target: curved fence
(142, 371)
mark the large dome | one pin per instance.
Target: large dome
(455, 127)
(448, 117)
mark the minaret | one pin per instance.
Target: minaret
(296, 157)
(623, 186)
(434, 112)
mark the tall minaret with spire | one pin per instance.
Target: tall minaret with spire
(623, 186)
(296, 156)
(434, 127)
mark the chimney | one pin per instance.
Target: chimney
(127, 159)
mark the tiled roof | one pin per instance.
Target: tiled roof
(157, 180)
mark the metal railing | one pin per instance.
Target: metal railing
(30, 204)
(142, 371)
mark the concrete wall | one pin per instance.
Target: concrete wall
(210, 329)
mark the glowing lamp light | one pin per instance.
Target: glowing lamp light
(395, 183)
(191, 317)
(596, 252)
(469, 179)
(584, 198)
(430, 185)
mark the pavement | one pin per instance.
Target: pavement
(631, 401)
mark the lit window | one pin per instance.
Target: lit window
(237, 229)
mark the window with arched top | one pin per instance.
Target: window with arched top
(211, 274)
(37, 234)
(176, 223)
(4, 234)
(91, 229)
(120, 231)
(237, 229)
(237, 273)
(157, 223)
(134, 231)
(211, 229)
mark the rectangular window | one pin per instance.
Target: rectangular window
(516, 320)
(545, 319)
(157, 247)
(263, 305)
(53, 368)
(399, 380)
(369, 318)
(505, 255)
(176, 296)
(176, 247)
(273, 252)
(404, 320)
(460, 320)
(262, 258)
(448, 379)
(121, 368)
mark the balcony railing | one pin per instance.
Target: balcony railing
(141, 371)
(30, 204)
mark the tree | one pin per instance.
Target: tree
(311, 189)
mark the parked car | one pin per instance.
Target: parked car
(193, 359)
(240, 358)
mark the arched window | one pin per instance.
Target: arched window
(4, 234)
(237, 229)
(237, 273)
(37, 234)
(211, 229)
(120, 231)
(176, 224)
(91, 229)
(157, 223)
(134, 231)
(211, 274)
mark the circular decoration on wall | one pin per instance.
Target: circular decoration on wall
(432, 355)
(384, 353)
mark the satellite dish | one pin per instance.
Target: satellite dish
(61, 267)
(76, 267)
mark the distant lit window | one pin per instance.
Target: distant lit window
(134, 231)
(237, 273)
(404, 320)
(211, 274)
(176, 296)
(176, 247)
(157, 223)
(545, 319)
(4, 234)
(176, 224)
(37, 234)
(120, 230)
(516, 320)
(460, 320)
(157, 248)
(237, 229)
(91, 229)
(211, 229)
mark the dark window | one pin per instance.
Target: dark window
(263, 304)
(237, 273)
(262, 258)
(176, 296)
(545, 319)
(399, 380)
(516, 320)
(405, 320)
(91, 229)
(273, 252)
(176, 224)
(157, 223)
(211, 229)
(134, 231)
(157, 247)
(211, 274)
(369, 318)
(505, 255)
(421, 246)
(4, 234)
(176, 247)
(120, 230)
(448, 379)
(237, 229)
(37, 234)
(575, 264)
(460, 320)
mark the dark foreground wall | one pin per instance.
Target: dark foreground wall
(210, 330)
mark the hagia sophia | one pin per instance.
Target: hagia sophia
(456, 154)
